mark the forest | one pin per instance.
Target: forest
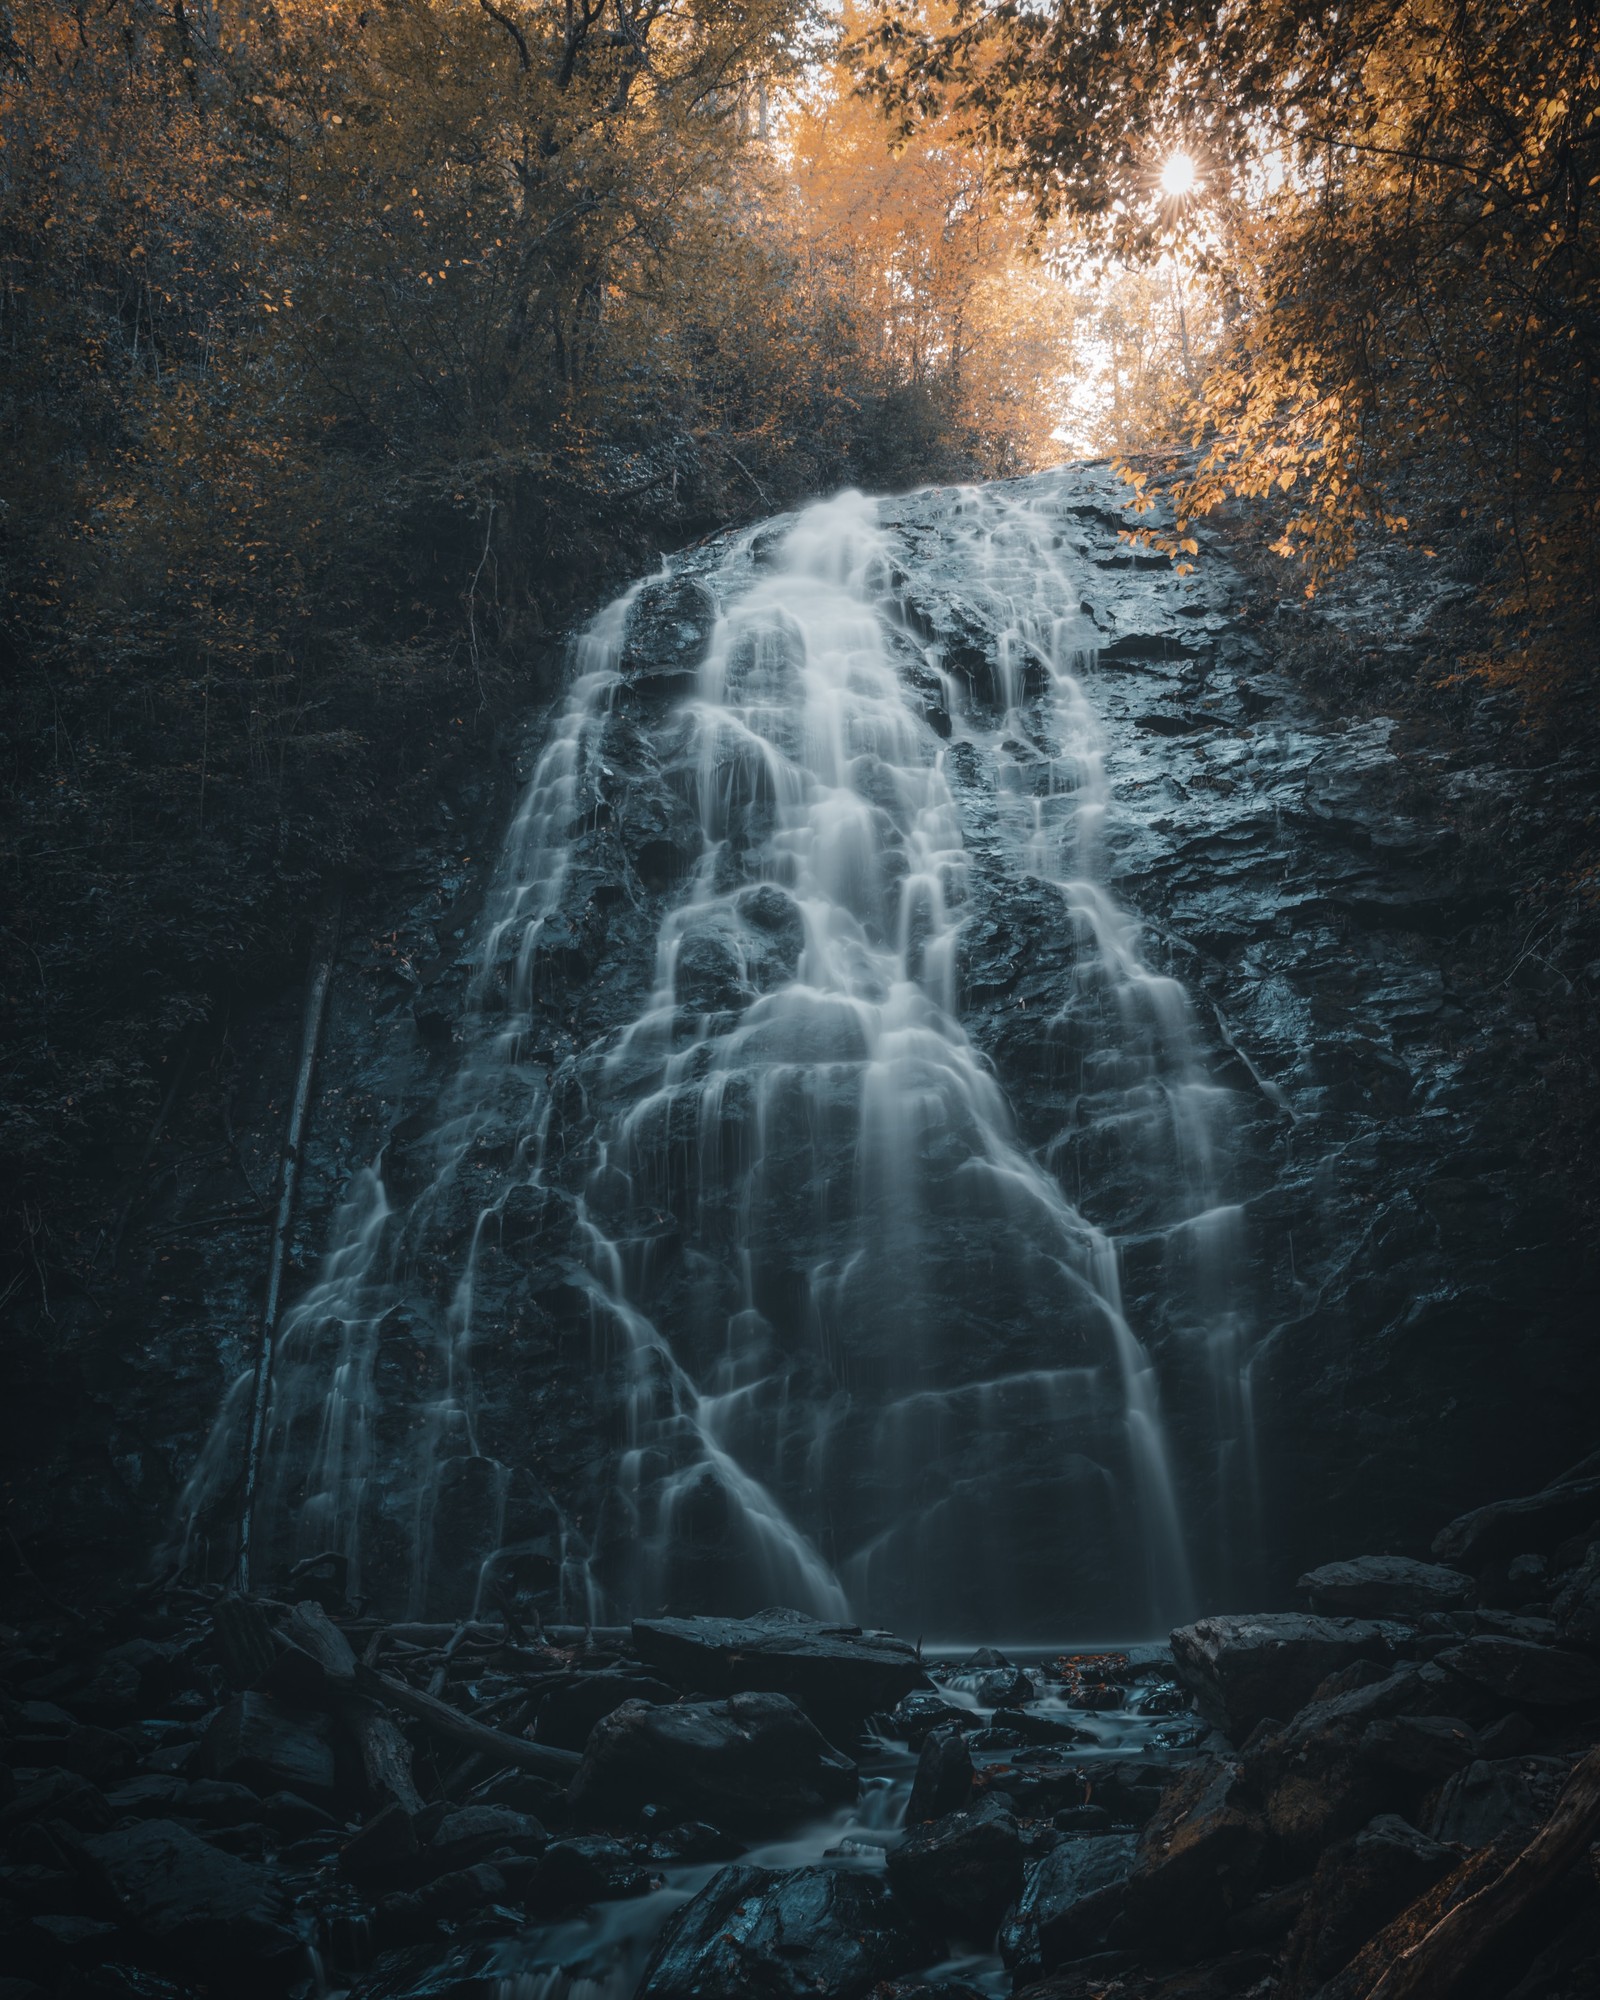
(1025, 578)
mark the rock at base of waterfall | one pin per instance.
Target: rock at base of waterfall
(1199, 1859)
(919, 1713)
(785, 1936)
(411, 1915)
(961, 1872)
(574, 1703)
(1359, 1884)
(471, 1832)
(213, 1912)
(837, 1673)
(944, 1777)
(1508, 1528)
(1526, 1675)
(752, 1761)
(1068, 1903)
(258, 1742)
(1242, 1669)
(1386, 1587)
(588, 1868)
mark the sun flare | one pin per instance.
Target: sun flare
(1178, 175)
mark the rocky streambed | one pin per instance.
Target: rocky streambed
(1392, 1791)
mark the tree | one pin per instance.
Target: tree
(1406, 231)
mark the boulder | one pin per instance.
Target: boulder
(1386, 1587)
(960, 1872)
(783, 1936)
(1525, 1675)
(219, 1916)
(471, 1832)
(923, 1711)
(1242, 1669)
(1509, 1528)
(589, 1868)
(837, 1673)
(1360, 1883)
(410, 1915)
(571, 1705)
(944, 1777)
(1068, 1903)
(1577, 1608)
(754, 1761)
(258, 1742)
(1198, 1860)
(1500, 1799)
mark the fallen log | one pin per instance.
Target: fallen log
(1441, 1962)
(542, 1758)
(385, 1754)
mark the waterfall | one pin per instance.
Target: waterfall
(727, 1162)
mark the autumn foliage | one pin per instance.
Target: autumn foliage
(348, 349)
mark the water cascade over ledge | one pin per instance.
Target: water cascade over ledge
(726, 1166)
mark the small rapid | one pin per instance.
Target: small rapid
(823, 1284)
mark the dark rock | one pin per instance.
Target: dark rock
(472, 1831)
(1386, 1587)
(693, 1840)
(1031, 1728)
(216, 1802)
(837, 1673)
(752, 1761)
(1508, 1737)
(1068, 1903)
(1243, 1668)
(1424, 1748)
(798, 1935)
(944, 1777)
(222, 1917)
(156, 1796)
(289, 1814)
(1083, 1819)
(1526, 1675)
(406, 1917)
(1199, 1859)
(960, 1872)
(256, 1741)
(1577, 1608)
(590, 1868)
(1493, 1801)
(1359, 1885)
(922, 1711)
(41, 1736)
(66, 1796)
(571, 1708)
(1509, 1527)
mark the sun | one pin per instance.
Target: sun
(1178, 175)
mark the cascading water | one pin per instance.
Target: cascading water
(850, 1341)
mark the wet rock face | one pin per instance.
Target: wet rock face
(581, 1277)
(751, 1761)
(812, 1930)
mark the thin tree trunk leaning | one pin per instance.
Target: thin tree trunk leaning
(322, 957)
(1438, 1963)
(543, 1758)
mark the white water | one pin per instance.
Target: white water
(854, 1347)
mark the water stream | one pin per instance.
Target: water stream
(851, 1341)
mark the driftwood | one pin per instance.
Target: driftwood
(541, 1758)
(314, 1632)
(316, 1003)
(385, 1754)
(1441, 1962)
